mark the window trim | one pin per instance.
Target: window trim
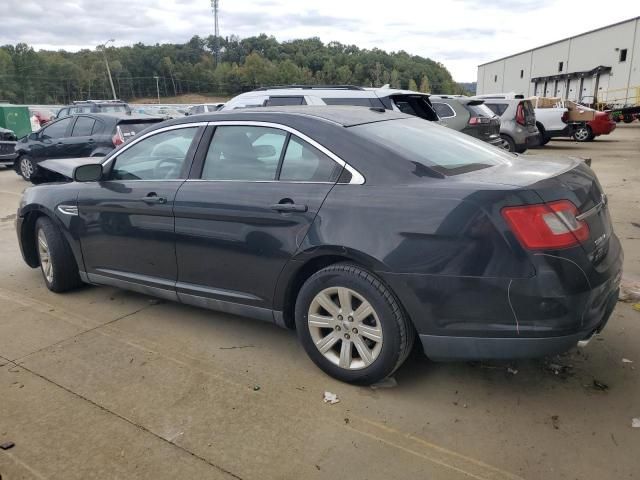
(356, 177)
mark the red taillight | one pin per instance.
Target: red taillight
(565, 117)
(479, 120)
(547, 226)
(520, 115)
(117, 139)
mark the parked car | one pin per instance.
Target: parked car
(82, 135)
(7, 147)
(361, 228)
(517, 123)
(470, 116)
(94, 106)
(204, 108)
(602, 124)
(43, 116)
(406, 101)
(552, 119)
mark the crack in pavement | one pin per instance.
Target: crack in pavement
(110, 322)
(123, 418)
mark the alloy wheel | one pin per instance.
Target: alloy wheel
(45, 256)
(345, 328)
(582, 134)
(26, 168)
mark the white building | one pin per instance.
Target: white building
(602, 65)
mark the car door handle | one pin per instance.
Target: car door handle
(289, 207)
(153, 198)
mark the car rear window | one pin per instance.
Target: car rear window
(443, 110)
(130, 129)
(113, 108)
(479, 110)
(497, 108)
(441, 149)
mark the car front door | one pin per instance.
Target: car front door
(126, 223)
(254, 194)
(51, 139)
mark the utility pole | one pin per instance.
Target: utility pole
(103, 47)
(157, 86)
(216, 31)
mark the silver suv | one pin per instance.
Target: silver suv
(517, 123)
(406, 101)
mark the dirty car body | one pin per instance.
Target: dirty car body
(440, 219)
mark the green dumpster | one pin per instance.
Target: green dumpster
(15, 118)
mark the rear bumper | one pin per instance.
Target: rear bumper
(463, 318)
(448, 348)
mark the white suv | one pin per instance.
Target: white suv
(406, 101)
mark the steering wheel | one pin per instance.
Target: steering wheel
(167, 168)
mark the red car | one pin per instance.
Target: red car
(602, 124)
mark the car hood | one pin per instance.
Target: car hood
(65, 166)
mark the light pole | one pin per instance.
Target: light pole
(157, 87)
(103, 47)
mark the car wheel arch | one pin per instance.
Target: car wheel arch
(301, 268)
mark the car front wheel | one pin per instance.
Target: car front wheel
(351, 325)
(57, 262)
(26, 167)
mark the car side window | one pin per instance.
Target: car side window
(57, 129)
(282, 101)
(98, 127)
(305, 163)
(83, 127)
(158, 157)
(244, 153)
(443, 110)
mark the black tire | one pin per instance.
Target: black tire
(627, 118)
(398, 334)
(543, 138)
(509, 144)
(26, 167)
(64, 275)
(583, 134)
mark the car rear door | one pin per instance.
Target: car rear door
(81, 142)
(126, 223)
(252, 196)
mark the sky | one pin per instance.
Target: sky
(461, 34)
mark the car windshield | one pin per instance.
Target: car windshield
(443, 150)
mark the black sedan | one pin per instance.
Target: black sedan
(359, 228)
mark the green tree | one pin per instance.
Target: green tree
(412, 85)
(424, 84)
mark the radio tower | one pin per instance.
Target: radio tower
(216, 31)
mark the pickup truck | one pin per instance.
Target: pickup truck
(552, 117)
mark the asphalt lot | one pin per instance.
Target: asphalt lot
(102, 383)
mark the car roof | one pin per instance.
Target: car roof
(365, 92)
(346, 116)
(133, 117)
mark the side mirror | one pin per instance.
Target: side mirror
(265, 150)
(88, 173)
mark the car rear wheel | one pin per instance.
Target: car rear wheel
(351, 325)
(583, 134)
(627, 118)
(509, 144)
(57, 262)
(26, 167)
(543, 138)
